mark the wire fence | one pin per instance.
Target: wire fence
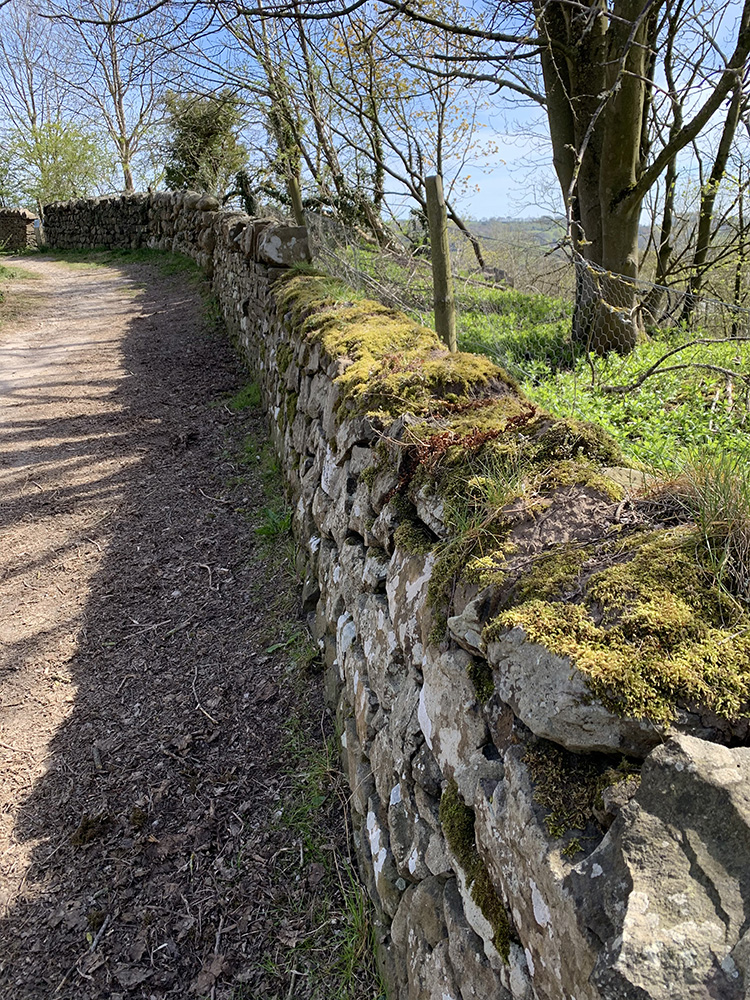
(663, 369)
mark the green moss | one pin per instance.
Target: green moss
(367, 476)
(457, 820)
(284, 357)
(489, 570)
(572, 848)
(569, 785)
(396, 364)
(411, 534)
(291, 406)
(553, 575)
(652, 631)
(575, 439)
(581, 472)
(480, 675)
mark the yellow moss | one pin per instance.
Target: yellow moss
(396, 364)
(581, 472)
(489, 570)
(568, 438)
(553, 575)
(653, 631)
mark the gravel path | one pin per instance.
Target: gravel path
(144, 702)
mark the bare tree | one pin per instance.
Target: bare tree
(122, 67)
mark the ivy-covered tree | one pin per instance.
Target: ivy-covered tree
(203, 152)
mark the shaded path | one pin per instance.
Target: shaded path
(141, 700)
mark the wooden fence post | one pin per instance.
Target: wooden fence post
(442, 279)
(295, 196)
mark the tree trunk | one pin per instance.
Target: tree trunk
(707, 204)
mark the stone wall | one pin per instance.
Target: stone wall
(17, 230)
(528, 825)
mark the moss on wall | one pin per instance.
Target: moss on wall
(457, 820)
(649, 632)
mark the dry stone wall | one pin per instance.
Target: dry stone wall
(520, 837)
(17, 230)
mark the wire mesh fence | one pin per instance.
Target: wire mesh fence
(665, 370)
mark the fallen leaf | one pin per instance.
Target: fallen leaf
(212, 969)
(129, 976)
(266, 692)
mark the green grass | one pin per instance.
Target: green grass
(667, 418)
(657, 424)
(339, 954)
(246, 398)
(13, 306)
(12, 272)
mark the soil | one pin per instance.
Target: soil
(150, 721)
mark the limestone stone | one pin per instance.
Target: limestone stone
(333, 474)
(452, 721)
(382, 528)
(549, 694)
(528, 871)
(283, 245)
(355, 431)
(383, 654)
(466, 628)
(361, 516)
(388, 883)
(406, 586)
(477, 977)
(361, 784)
(375, 571)
(409, 837)
(666, 892)
(420, 933)
(352, 564)
(431, 510)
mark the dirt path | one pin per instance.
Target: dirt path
(144, 714)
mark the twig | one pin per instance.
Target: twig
(147, 628)
(100, 932)
(216, 952)
(178, 627)
(74, 966)
(197, 699)
(210, 575)
(7, 746)
(295, 973)
(215, 499)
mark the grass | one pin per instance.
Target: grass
(659, 425)
(339, 955)
(164, 262)
(324, 931)
(714, 490)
